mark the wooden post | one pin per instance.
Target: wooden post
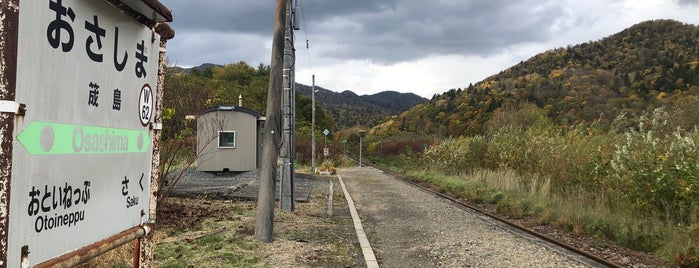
(272, 132)
(313, 124)
(9, 14)
(147, 244)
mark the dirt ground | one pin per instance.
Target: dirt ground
(308, 237)
(205, 232)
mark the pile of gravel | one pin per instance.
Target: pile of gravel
(230, 185)
(224, 185)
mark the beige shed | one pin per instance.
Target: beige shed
(229, 138)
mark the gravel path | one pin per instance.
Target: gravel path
(409, 228)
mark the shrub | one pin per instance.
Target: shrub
(451, 156)
(659, 172)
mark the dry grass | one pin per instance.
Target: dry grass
(116, 258)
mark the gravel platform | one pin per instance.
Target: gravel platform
(231, 185)
(409, 228)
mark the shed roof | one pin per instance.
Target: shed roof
(233, 108)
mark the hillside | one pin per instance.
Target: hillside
(191, 90)
(648, 65)
(349, 109)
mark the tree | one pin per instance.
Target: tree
(239, 73)
(187, 95)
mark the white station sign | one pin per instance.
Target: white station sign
(82, 153)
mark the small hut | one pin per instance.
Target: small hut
(229, 138)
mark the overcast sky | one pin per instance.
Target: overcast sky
(419, 46)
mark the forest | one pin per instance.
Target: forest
(350, 110)
(649, 65)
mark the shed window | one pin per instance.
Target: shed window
(226, 139)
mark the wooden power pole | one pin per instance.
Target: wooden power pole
(272, 131)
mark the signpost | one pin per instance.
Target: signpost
(362, 134)
(81, 158)
(326, 152)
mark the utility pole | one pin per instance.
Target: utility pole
(360, 151)
(271, 137)
(313, 124)
(362, 133)
(286, 189)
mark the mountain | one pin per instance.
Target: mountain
(349, 109)
(649, 65)
(201, 69)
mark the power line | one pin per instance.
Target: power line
(305, 34)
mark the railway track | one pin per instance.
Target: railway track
(587, 257)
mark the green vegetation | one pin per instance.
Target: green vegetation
(214, 250)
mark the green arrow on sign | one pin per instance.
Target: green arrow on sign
(41, 138)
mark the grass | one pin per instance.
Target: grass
(224, 249)
(208, 234)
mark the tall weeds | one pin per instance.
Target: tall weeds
(636, 181)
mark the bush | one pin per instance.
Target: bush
(451, 156)
(659, 172)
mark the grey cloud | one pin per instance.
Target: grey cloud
(242, 16)
(689, 2)
(217, 48)
(385, 31)
(414, 29)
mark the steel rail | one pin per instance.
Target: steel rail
(597, 259)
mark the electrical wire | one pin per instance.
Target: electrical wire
(305, 33)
